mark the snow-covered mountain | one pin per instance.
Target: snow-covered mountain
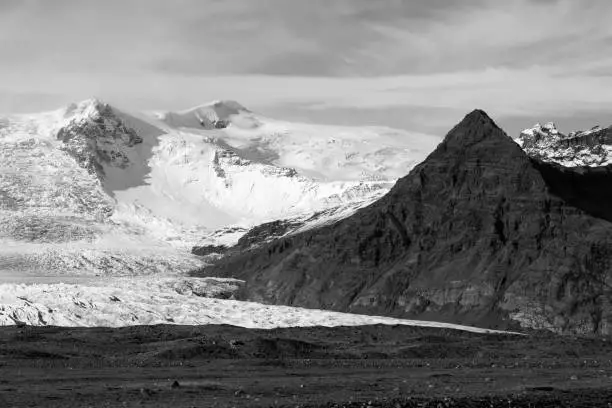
(592, 147)
(92, 189)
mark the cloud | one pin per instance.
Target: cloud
(318, 38)
(517, 33)
(519, 58)
(27, 101)
(206, 37)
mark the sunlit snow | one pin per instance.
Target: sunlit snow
(186, 182)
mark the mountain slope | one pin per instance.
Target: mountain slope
(57, 195)
(92, 189)
(477, 233)
(254, 169)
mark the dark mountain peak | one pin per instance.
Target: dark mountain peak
(477, 138)
(478, 115)
(476, 119)
(476, 127)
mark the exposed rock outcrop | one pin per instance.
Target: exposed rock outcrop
(592, 147)
(204, 250)
(96, 137)
(478, 233)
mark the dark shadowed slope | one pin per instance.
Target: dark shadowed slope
(479, 233)
(587, 188)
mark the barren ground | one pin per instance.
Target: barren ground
(226, 366)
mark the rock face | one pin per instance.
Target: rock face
(96, 137)
(584, 148)
(478, 233)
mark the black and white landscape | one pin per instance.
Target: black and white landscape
(357, 211)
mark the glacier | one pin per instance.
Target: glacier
(95, 195)
(130, 301)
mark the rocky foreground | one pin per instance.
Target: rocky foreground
(368, 366)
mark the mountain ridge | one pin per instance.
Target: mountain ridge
(592, 148)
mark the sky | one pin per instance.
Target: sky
(418, 65)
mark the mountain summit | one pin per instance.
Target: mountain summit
(215, 115)
(474, 127)
(478, 233)
(97, 137)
